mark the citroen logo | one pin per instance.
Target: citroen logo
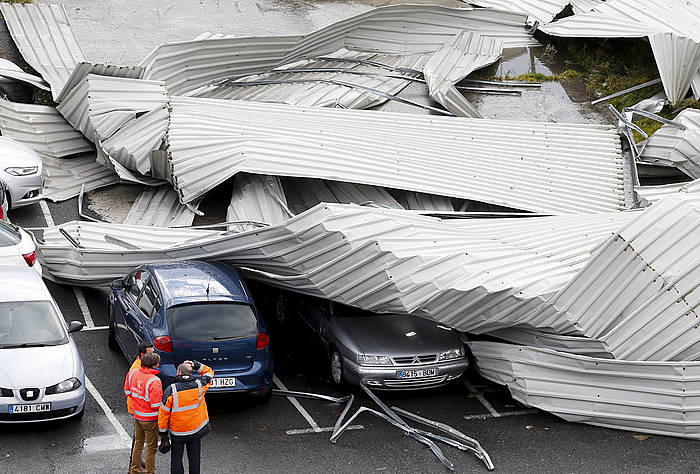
(416, 360)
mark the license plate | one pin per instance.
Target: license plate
(414, 374)
(224, 382)
(36, 408)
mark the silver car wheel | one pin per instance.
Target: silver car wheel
(336, 367)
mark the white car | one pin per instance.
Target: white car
(17, 248)
(20, 170)
(41, 373)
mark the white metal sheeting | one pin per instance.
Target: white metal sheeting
(64, 178)
(458, 273)
(542, 167)
(259, 199)
(673, 28)
(159, 206)
(571, 344)
(540, 10)
(651, 194)
(85, 68)
(41, 128)
(672, 146)
(44, 37)
(98, 105)
(651, 397)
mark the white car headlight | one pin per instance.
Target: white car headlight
(22, 170)
(373, 360)
(65, 386)
(452, 354)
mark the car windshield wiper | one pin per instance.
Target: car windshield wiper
(24, 345)
(221, 338)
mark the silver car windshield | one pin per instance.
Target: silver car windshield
(9, 235)
(212, 321)
(30, 324)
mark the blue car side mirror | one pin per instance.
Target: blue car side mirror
(118, 284)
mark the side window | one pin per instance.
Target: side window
(149, 302)
(135, 283)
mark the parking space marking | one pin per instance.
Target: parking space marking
(48, 218)
(125, 439)
(83, 306)
(500, 415)
(324, 429)
(481, 398)
(297, 405)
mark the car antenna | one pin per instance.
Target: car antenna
(208, 283)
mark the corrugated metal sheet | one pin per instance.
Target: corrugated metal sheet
(651, 397)
(458, 273)
(651, 194)
(98, 106)
(258, 199)
(422, 201)
(542, 167)
(398, 30)
(455, 60)
(84, 68)
(304, 194)
(24, 77)
(672, 146)
(42, 128)
(571, 344)
(673, 28)
(43, 35)
(64, 178)
(159, 207)
(540, 10)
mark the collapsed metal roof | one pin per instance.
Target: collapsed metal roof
(673, 146)
(652, 397)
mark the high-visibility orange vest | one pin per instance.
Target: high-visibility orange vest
(184, 410)
(135, 366)
(146, 392)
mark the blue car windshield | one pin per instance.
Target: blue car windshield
(212, 321)
(30, 324)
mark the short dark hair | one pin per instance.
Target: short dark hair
(150, 360)
(144, 346)
(185, 369)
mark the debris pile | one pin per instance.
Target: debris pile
(592, 279)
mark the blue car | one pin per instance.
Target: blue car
(193, 311)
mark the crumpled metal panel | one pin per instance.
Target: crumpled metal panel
(422, 201)
(671, 25)
(98, 105)
(84, 68)
(43, 35)
(672, 146)
(24, 77)
(159, 206)
(650, 397)
(307, 193)
(540, 10)
(571, 344)
(541, 167)
(258, 199)
(42, 128)
(455, 60)
(64, 178)
(651, 194)
(457, 273)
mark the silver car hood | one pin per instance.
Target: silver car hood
(36, 366)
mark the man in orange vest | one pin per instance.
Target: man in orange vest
(144, 347)
(146, 392)
(184, 415)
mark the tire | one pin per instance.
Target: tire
(111, 336)
(336, 367)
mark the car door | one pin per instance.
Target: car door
(148, 305)
(126, 309)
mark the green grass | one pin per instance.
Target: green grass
(16, 1)
(539, 77)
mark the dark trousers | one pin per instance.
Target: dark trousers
(177, 449)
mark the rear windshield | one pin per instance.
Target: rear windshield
(30, 324)
(9, 235)
(212, 321)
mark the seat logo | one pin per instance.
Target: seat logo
(214, 350)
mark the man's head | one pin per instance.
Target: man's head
(150, 360)
(184, 369)
(145, 347)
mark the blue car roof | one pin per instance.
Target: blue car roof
(187, 282)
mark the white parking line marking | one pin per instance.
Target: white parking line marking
(499, 415)
(297, 405)
(83, 306)
(123, 435)
(96, 328)
(48, 218)
(324, 429)
(481, 398)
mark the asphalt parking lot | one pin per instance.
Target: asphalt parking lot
(291, 435)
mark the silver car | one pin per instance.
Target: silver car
(382, 351)
(20, 170)
(41, 373)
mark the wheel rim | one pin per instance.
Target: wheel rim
(336, 368)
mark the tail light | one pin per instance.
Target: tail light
(263, 340)
(2, 213)
(30, 258)
(163, 343)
